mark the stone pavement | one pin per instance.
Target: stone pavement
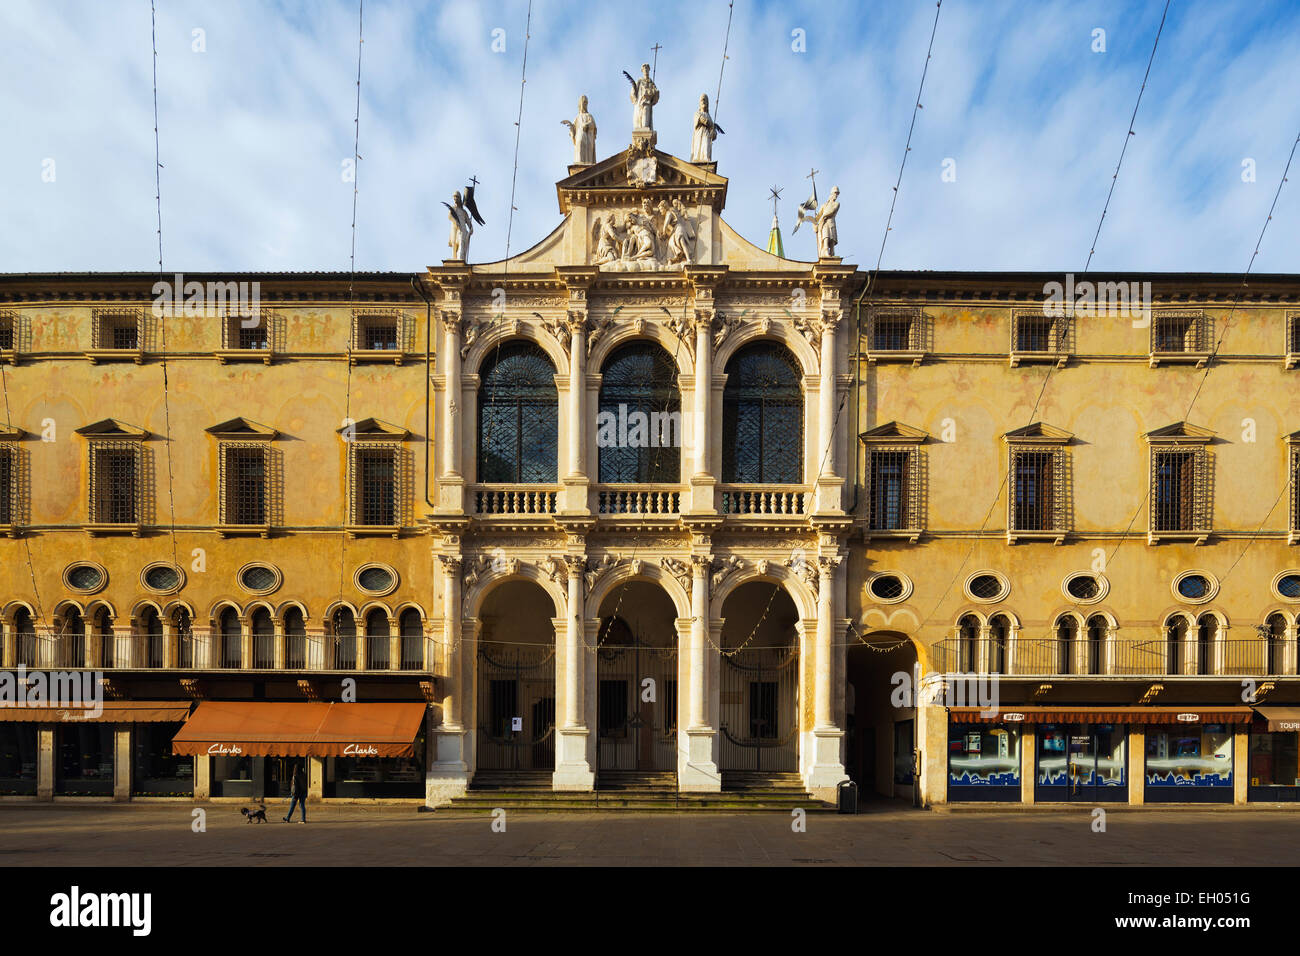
(160, 835)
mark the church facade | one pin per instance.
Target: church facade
(646, 502)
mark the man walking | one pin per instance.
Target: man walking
(297, 794)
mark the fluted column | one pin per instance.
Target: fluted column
(451, 699)
(697, 765)
(830, 321)
(572, 757)
(573, 656)
(825, 770)
(451, 464)
(699, 624)
(577, 326)
(822, 712)
(703, 389)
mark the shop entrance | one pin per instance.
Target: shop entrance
(1081, 762)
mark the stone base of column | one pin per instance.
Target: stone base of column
(830, 489)
(451, 494)
(572, 772)
(696, 770)
(826, 772)
(573, 496)
(448, 775)
(700, 498)
(122, 763)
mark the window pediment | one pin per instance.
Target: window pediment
(373, 429)
(242, 429)
(894, 433)
(112, 428)
(1181, 433)
(1039, 433)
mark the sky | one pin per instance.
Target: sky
(1022, 122)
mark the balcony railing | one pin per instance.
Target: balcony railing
(765, 500)
(1116, 657)
(637, 500)
(514, 499)
(210, 650)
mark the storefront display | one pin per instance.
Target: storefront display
(1190, 763)
(983, 762)
(155, 770)
(1274, 765)
(17, 759)
(83, 764)
(1081, 762)
(376, 776)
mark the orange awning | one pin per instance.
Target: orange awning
(111, 712)
(1280, 719)
(1102, 715)
(306, 729)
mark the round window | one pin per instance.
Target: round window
(985, 587)
(1194, 587)
(1083, 587)
(85, 577)
(163, 578)
(259, 578)
(887, 587)
(1288, 585)
(376, 579)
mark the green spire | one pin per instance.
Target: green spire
(774, 245)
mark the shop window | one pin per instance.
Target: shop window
(1081, 761)
(980, 757)
(155, 770)
(1187, 758)
(377, 777)
(1274, 760)
(232, 776)
(17, 758)
(84, 759)
(762, 417)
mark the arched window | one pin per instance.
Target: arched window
(518, 417)
(639, 424)
(1067, 629)
(184, 628)
(1276, 627)
(377, 634)
(412, 630)
(104, 634)
(151, 630)
(295, 639)
(72, 643)
(1175, 634)
(24, 638)
(345, 640)
(232, 651)
(263, 639)
(1207, 629)
(762, 417)
(968, 632)
(1097, 628)
(999, 633)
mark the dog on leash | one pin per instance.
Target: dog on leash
(259, 815)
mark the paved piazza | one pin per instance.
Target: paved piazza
(135, 835)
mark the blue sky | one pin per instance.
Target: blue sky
(254, 130)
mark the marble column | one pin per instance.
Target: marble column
(572, 771)
(700, 772)
(827, 768)
(577, 481)
(448, 773)
(703, 480)
(827, 465)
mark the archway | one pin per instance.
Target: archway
(636, 681)
(759, 701)
(516, 679)
(881, 730)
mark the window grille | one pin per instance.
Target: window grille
(1293, 333)
(762, 417)
(1295, 489)
(1034, 333)
(1180, 489)
(897, 330)
(1175, 332)
(241, 336)
(1038, 484)
(518, 417)
(9, 483)
(117, 329)
(379, 331)
(116, 468)
(639, 395)
(376, 483)
(894, 476)
(244, 473)
(8, 331)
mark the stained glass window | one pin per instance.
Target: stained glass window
(518, 419)
(762, 417)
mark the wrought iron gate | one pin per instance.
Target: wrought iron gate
(633, 732)
(760, 710)
(516, 683)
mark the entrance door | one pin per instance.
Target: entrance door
(516, 707)
(636, 701)
(760, 719)
(1081, 762)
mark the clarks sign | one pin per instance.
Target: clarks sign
(219, 749)
(360, 750)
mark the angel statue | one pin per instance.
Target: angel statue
(706, 131)
(644, 96)
(462, 227)
(583, 133)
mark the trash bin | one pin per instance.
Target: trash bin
(847, 794)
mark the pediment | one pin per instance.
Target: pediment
(111, 428)
(12, 433)
(373, 428)
(1039, 432)
(632, 174)
(1181, 432)
(242, 428)
(894, 432)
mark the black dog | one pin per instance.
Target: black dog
(258, 815)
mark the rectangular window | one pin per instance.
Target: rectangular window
(982, 756)
(376, 332)
(255, 337)
(1033, 491)
(7, 335)
(888, 495)
(892, 334)
(117, 331)
(114, 483)
(1174, 492)
(1274, 759)
(8, 484)
(1192, 757)
(1173, 332)
(375, 486)
(1293, 334)
(244, 472)
(1035, 333)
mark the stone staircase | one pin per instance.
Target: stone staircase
(632, 791)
